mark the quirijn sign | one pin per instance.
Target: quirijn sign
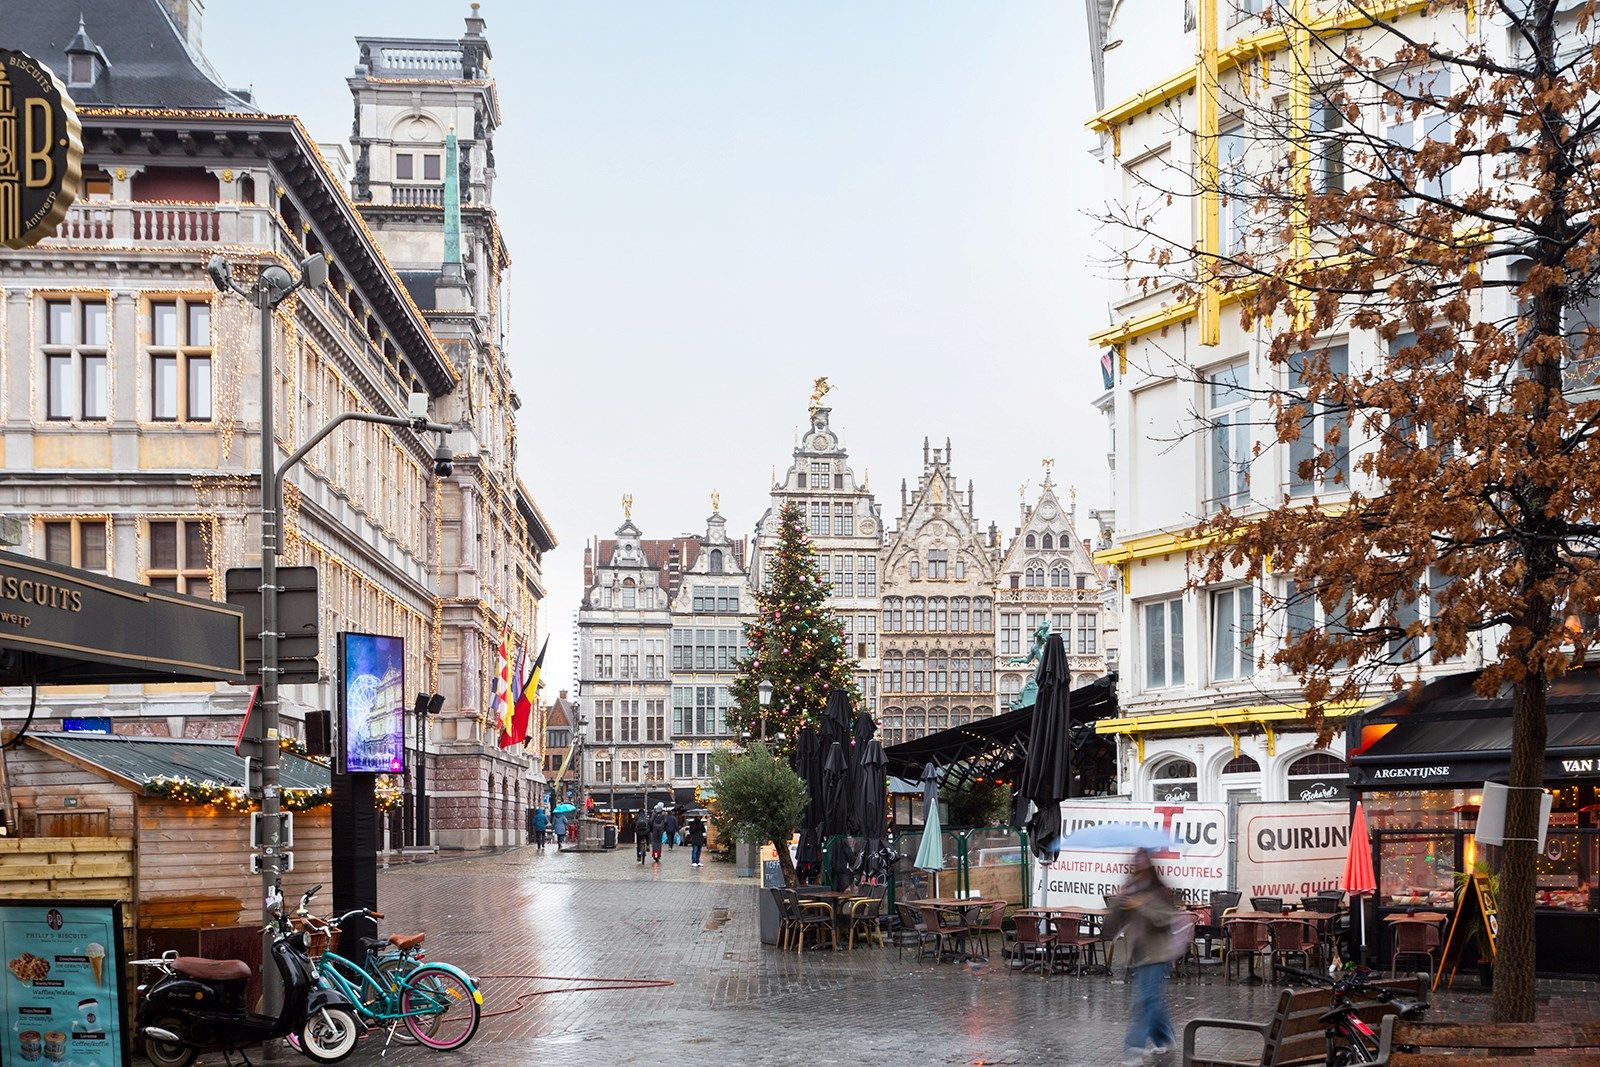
(41, 150)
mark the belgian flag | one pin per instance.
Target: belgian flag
(522, 708)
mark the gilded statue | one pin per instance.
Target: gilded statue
(716, 501)
(627, 506)
(819, 389)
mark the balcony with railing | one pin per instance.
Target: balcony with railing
(413, 59)
(417, 195)
(181, 225)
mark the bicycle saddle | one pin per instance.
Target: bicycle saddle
(409, 941)
(212, 970)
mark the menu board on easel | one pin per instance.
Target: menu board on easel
(1475, 893)
(63, 1000)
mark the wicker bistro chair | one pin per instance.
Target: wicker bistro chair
(985, 919)
(1211, 931)
(950, 927)
(1271, 905)
(914, 925)
(786, 923)
(1294, 937)
(864, 913)
(1078, 942)
(812, 915)
(1246, 938)
(1414, 939)
(1035, 937)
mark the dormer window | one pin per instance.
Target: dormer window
(85, 60)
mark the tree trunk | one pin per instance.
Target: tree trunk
(1514, 956)
(791, 877)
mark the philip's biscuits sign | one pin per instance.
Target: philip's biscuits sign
(41, 150)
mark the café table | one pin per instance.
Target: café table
(1254, 916)
(933, 908)
(1095, 917)
(1418, 917)
(831, 897)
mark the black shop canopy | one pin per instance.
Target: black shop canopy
(63, 626)
(1448, 734)
(994, 749)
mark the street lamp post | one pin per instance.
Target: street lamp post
(273, 285)
(764, 694)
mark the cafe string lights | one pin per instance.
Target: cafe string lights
(232, 799)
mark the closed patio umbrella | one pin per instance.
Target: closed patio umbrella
(1359, 879)
(861, 732)
(808, 765)
(1048, 765)
(930, 853)
(836, 795)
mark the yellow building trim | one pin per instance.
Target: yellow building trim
(1150, 546)
(1242, 51)
(1149, 322)
(1219, 718)
(1207, 133)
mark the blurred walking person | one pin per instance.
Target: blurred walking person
(541, 826)
(696, 836)
(641, 834)
(1144, 913)
(558, 826)
(658, 830)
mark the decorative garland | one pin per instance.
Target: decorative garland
(235, 800)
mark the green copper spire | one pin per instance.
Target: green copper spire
(452, 200)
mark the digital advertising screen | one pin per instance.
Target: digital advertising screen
(372, 703)
(63, 998)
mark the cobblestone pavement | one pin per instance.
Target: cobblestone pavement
(576, 916)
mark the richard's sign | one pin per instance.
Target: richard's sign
(41, 150)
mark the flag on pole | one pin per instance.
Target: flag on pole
(527, 692)
(500, 710)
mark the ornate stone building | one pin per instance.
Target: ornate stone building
(847, 529)
(426, 111)
(625, 631)
(710, 610)
(130, 416)
(939, 570)
(1048, 574)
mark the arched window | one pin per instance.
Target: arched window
(1059, 576)
(1176, 781)
(892, 679)
(1047, 541)
(1010, 686)
(961, 673)
(916, 673)
(893, 614)
(938, 719)
(938, 673)
(960, 614)
(716, 561)
(630, 594)
(1243, 763)
(1033, 577)
(916, 614)
(938, 614)
(1318, 776)
(1031, 541)
(960, 716)
(983, 672)
(982, 614)
(916, 723)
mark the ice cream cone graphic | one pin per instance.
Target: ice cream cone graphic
(97, 959)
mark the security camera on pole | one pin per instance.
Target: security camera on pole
(273, 285)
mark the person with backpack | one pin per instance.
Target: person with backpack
(541, 826)
(696, 836)
(641, 834)
(558, 826)
(672, 828)
(658, 830)
(1145, 913)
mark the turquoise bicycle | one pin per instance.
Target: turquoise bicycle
(439, 1005)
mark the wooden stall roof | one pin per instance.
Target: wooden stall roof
(133, 761)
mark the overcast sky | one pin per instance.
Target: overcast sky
(708, 204)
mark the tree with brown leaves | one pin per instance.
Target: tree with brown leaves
(1424, 181)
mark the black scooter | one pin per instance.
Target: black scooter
(197, 1005)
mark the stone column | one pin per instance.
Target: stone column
(125, 357)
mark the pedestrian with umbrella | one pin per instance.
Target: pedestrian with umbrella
(558, 823)
(1048, 766)
(1143, 913)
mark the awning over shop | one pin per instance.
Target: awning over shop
(62, 626)
(994, 748)
(134, 761)
(1449, 734)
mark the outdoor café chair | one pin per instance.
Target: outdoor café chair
(1294, 937)
(1077, 942)
(949, 926)
(1211, 931)
(915, 925)
(1335, 895)
(990, 919)
(1247, 938)
(1414, 939)
(1271, 905)
(864, 914)
(813, 915)
(1321, 905)
(786, 923)
(1034, 937)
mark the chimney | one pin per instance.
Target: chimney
(187, 15)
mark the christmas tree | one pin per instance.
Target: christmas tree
(794, 642)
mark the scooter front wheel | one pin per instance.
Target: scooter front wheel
(329, 1034)
(168, 1053)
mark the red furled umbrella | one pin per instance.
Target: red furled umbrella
(1359, 880)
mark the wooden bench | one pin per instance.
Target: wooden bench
(1295, 1034)
(1550, 1044)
